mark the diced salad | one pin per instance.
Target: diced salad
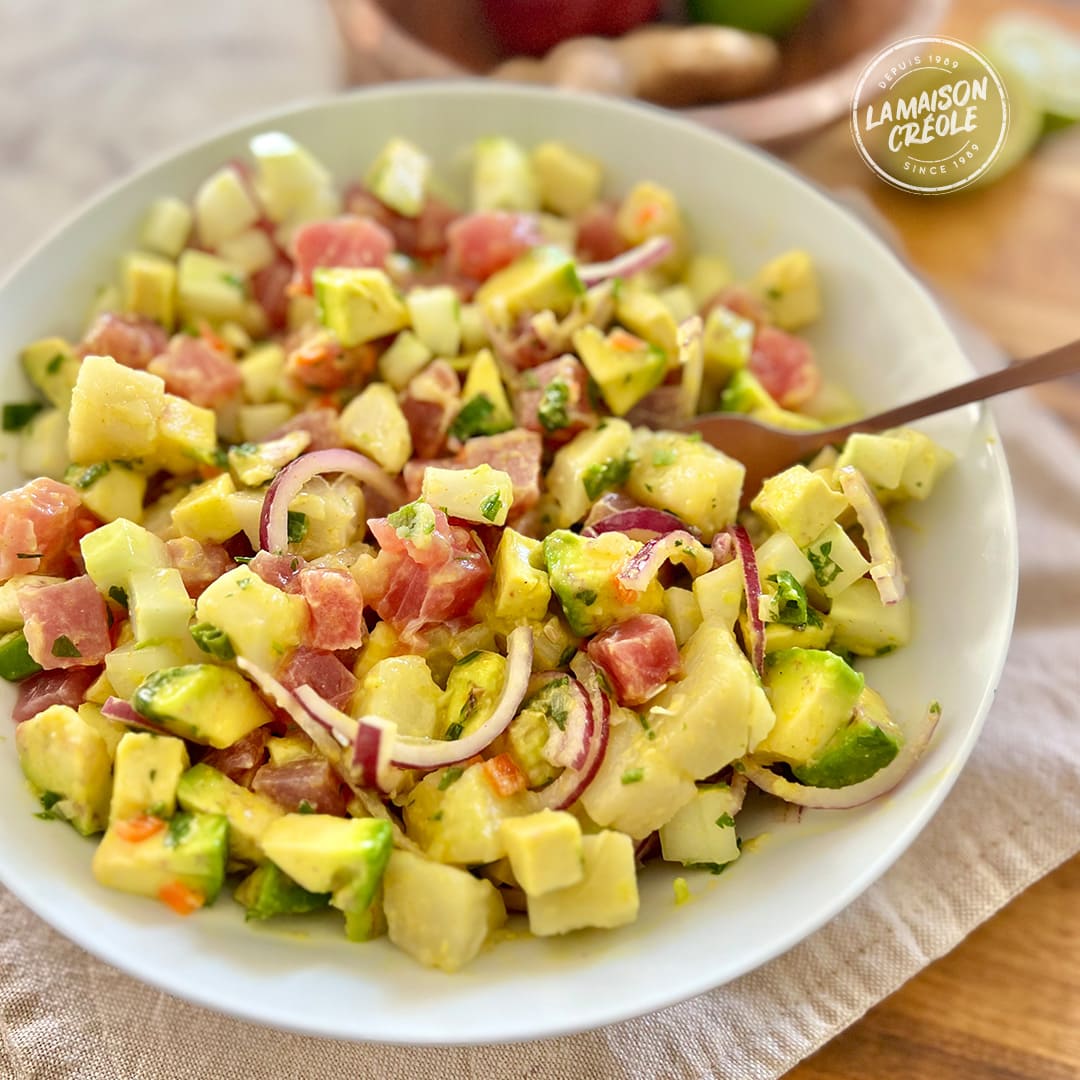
(364, 565)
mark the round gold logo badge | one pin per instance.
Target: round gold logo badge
(929, 115)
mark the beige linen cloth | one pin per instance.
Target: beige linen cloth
(1013, 815)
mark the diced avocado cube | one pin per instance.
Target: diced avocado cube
(780, 636)
(190, 852)
(862, 624)
(52, 366)
(645, 314)
(374, 424)
(223, 207)
(582, 572)
(788, 286)
(925, 462)
(358, 305)
(544, 850)
(68, 764)
(719, 594)
(686, 476)
(702, 833)
(159, 604)
(705, 276)
(745, 394)
(399, 176)
(15, 660)
(262, 370)
(186, 436)
(210, 288)
(799, 503)
(859, 748)
(718, 711)
(110, 490)
(407, 356)
(569, 182)
(331, 854)
(166, 227)
(43, 445)
(812, 693)
(526, 742)
(114, 412)
(522, 590)
(837, 563)
(543, 279)
(503, 177)
(366, 924)
(267, 892)
(455, 815)
(112, 552)
(880, 458)
(204, 790)
(129, 663)
(607, 895)
(440, 915)
(779, 553)
(637, 787)
(434, 314)
(728, 340)
(401, 689)
(473, 689)
(482, 494)
(593, 462)
(146, 771)
(682, 610)
(486, 408)
(150, 287)
(204, 703)
(206, 512)
(625, 367)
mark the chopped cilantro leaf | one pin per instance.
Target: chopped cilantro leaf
(49, 799)
(64, 646)
(18, 414)
(663, 457)
(477, 417)
(454, 730)
(725, 821)
(491, 506)
(305, 807)
(451, 776)
(212, 640)
(413, 521)
(826, 569)
(552, 412)
(604, 475)
(633, 776)
(298, 526)
(118, 595)
(789, 602)
(235, 280)
(91, 475)
(586, 596)
(55, 364)
(712, 867)
(179, 827)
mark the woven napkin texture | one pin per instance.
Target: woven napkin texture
(64, 1014)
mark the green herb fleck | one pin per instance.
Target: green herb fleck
(298, 526)
(305, 807)
(663, 457)
(789, 602)
(826, 569)
(437, 816)
(28, 555)
(451, 776)
(118, 596)
(491, 506)
(91, 475)
(213, 640)
(647, 727)
(552, 412)
(49, 799)
(604, 475)
(18, 414)
(477, 417)
(586, 596)
(235, 280)
(55, 364)
(65, 647)
(413, 521)
(885, 650)
(633, 776)
(725, 821)
(568, 654)
(454, 730)
(178, 829)
(712, 867)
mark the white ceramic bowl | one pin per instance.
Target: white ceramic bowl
(881, 335)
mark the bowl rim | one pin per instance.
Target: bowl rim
(218, 999)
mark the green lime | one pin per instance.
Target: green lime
(774, 17)
(1025, 118)
(1045, 55)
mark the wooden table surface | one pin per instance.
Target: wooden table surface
(1005, 1004)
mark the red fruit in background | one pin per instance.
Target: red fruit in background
(533, 27)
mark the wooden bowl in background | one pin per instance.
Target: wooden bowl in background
(387, 40)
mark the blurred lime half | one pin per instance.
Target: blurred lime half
(1025, 119)
(774, 17)
(1045, 55)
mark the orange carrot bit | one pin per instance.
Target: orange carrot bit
(136, 829)
(624, 593)
(624, 341)
(180, 898)
(504, 775)
(647, 214)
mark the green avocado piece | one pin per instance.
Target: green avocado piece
(15, 660)
(358, 305)
(745, 394)
(582, 574)
(191, 850)
(473, 689)
(813, 694)
(858, 749)
(365, 924)
(625, 368)
(543, 279)
(202, 702)
(202, 788)
(268, 891)
(52, 366)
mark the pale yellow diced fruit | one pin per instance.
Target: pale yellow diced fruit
(374, 424)
(159, 604)
(43, 445)
(880, 458)
(150, 287)
(837, 562)
(401, 689)
(251, 250)
(166, 227)
(799, 503)
(223, 208)
(440, 915)
(781, 553)
(111, 553)
(569, 181)
(259, 421)
(483, 494)
(187, 436)
(111, 731)
(703, 831)
(146, 771)
(544, 850)
(719, 594)
(682, 610)
(10, 615)
(606, 897)
(788, 285)
(118, 493)
(129, 663)
(114, 412)
(206, 513)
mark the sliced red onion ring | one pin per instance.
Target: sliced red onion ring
(885, 569)
(691, 365)
(274, 521)
(723, 548)
(116, 708)
(315, 730)
(568, 746)
(413, 753)
(341, 726)
(752, 584)
(643, 257)
(640, 570)
(641, 519)
(567, 787)
(882, 782)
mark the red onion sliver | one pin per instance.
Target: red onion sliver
(723, 548)
(691, 365)
(116, 708)
(885, 569)
(639, 571)
(643, 257)
(413, 753)
(567, 787)
(569, 746)
(752, 584)
(882, 782)
(315, 730)
(639, 519)
(274, 521)
(341, 726)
